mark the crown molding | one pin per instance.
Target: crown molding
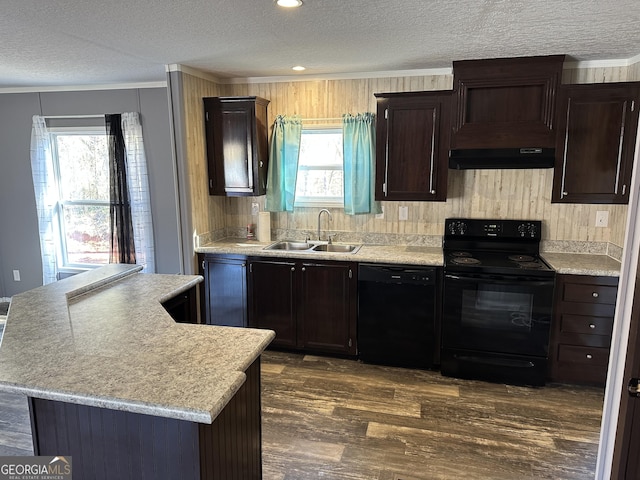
(76, 88)
(194, 72)
(341, 76)
(611, 63)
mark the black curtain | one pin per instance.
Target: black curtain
(122, 245)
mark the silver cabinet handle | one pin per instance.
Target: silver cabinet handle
(589, 356)
(595, 295)
(592, 326)
(293, 269)
(432, 160)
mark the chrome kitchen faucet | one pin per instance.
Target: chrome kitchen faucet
(324, 210)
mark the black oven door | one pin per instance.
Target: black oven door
(497, 314)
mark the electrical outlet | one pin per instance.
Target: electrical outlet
(380, 215)
(16, 275)
(602, 218)
(255, 208)
(403, 213)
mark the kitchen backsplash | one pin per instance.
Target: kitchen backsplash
(516, 194)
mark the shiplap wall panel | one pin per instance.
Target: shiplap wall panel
(524, 194)
(208, 212)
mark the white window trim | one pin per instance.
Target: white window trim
(64, 265)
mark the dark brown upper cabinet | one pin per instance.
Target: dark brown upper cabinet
(237, 145)
(412, 145)
(505, 102)
(596, 139)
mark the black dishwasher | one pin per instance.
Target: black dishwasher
(396, 315)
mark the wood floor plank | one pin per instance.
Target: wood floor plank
(466, 429)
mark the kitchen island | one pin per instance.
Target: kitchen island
(128, 393)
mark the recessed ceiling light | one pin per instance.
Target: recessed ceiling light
(289, 3)
(298, 68)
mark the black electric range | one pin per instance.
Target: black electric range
(497, 301)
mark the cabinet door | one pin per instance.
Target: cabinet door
(225, 290)
(412, 138)
(272, 298)
(327, 307)
(595, 144)
(237, 149)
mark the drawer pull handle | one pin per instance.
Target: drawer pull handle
(592, 326)
(589, 356)
(595, 295)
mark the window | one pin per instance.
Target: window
(319, 182)
(81, 165)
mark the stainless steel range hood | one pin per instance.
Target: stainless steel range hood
(501, 158)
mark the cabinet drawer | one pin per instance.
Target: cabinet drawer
(583, 355)
(589, 293)
(586, 324)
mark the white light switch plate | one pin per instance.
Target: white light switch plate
(255, 208)
(403, 213)
(602, 218)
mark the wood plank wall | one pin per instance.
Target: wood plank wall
(208, 212)
(522, 194)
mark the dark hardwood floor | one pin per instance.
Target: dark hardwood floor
(327, 418)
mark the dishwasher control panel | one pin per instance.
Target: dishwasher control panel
(396, 274)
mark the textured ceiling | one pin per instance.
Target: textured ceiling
(97, 42)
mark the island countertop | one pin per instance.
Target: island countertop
(102, 338)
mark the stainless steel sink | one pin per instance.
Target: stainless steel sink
(288, 245)
(336, 248)
(312, 247)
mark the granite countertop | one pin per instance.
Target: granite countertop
(102, 338)
(582, 264)
(564, 263)
(400, 254)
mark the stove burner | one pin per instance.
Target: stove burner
(460, 254)
(465, 261)
(521, 258)
(530, 265)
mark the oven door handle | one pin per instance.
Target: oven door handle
(532, 281)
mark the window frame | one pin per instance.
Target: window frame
(64, 264)
(320, 202)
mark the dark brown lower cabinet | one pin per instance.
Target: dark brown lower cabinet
(109, 444)
(581, 329)
(272, 299)
(183, 308)
(311, 305)
(224, 290)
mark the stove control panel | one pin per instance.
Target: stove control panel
(529, 230)
(456, 227)
(505, 229)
